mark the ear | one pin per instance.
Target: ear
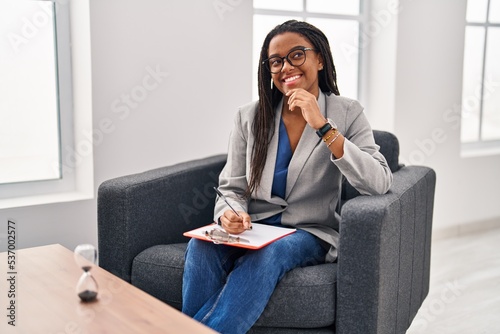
(320, 61)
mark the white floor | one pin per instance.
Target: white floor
(464, 296)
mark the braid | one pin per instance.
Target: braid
(327, 77)
(269, 98)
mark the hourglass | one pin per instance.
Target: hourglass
(85, 257)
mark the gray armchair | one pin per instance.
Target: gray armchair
(377, 284)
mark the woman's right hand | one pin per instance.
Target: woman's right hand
(234, 224)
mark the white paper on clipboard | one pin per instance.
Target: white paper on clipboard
(259, 236)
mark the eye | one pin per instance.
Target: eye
(275, 62)
(296, 55)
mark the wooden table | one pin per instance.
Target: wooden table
(46, 300)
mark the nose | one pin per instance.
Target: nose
(287, 64)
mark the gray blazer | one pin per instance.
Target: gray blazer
(314, 175)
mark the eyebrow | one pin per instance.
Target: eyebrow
(292, 49)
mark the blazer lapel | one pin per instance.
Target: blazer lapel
(308, 141)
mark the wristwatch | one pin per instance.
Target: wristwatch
(329, 125)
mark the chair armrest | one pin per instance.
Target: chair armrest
(384, 255)
(138, 211)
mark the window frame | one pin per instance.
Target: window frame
(480, 146)
(72, 24)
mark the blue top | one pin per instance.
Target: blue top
(283, 158)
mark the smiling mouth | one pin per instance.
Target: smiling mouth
(290, 79)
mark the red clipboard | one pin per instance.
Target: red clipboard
(259, 236)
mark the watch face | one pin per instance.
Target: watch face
(324, 129)
(327, 127)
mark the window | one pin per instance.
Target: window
(339, 20)
(45, 102)
(29, 117)
(481, 76)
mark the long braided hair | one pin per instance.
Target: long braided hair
(269, 97)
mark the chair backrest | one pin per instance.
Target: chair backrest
(389, 147)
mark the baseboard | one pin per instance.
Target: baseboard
(465, 229)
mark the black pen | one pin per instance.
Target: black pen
(225, 200)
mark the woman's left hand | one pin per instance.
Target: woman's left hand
(308, 104)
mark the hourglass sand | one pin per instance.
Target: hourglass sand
(85, 257)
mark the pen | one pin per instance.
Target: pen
(225, 200)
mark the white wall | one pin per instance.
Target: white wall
(426, 93)
(185, 113)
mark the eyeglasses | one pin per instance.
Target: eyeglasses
(220, 236)
(296, 57)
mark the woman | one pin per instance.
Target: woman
(287, 155)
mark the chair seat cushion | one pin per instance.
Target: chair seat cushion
(158, 271)
(304, 298)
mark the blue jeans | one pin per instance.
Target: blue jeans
(227, 288)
